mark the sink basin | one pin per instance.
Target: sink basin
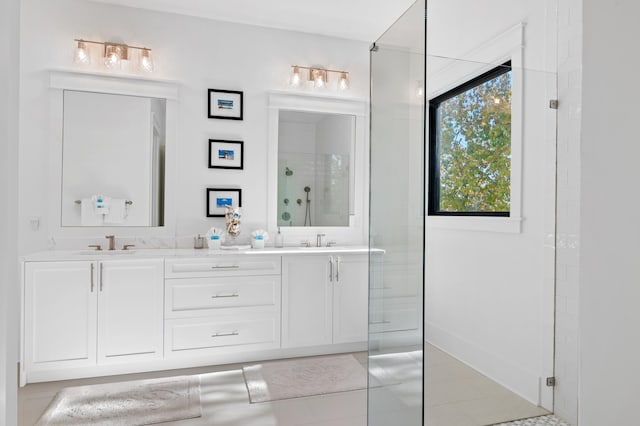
(104, 252)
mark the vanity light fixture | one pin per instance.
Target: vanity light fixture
(319, 77)
(82, 55)
(295, 76)
(113, 54)
(343, 82)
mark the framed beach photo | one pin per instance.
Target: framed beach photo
(226, 104)
(219, 198)
(225, 154)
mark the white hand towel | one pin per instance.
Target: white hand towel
(101, 204)
(87, 213)
(118, 211)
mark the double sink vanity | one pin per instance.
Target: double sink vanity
(93, 313)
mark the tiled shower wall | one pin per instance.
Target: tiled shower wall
(568, 205)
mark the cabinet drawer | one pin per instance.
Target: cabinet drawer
(221, 332)
(222, 266)
(203, 296)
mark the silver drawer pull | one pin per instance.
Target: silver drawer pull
(221, 296)
(225, 267)
(379, 322)
(223, 334)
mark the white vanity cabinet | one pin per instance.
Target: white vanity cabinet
(350, 298)
(60, 315)
(87, 315)
(130, 315)
(217, 306)
(83, 314)
(324, 299)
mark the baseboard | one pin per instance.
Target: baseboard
(503, 371)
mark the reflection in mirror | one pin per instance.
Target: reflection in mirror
(113, 171)
(315, 154)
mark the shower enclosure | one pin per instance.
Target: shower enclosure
(396, 223)
(458, 290)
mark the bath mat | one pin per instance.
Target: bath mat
(295, 378)
(140, 402)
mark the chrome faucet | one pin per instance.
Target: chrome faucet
(319, 239)
(112, 241)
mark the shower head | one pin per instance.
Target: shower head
(288, 171)
(307, 189)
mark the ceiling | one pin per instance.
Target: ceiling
(362, 20)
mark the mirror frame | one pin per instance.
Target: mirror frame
(357, 231)
(59, 81)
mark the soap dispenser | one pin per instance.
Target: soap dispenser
(279, 240)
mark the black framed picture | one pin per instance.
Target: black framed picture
(219, 198)
(225, 154)
(225, 104)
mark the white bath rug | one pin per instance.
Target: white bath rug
(140, 402)
(295, 378)
(537, 421)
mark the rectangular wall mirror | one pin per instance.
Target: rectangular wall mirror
(318, 164)
(315, 167)
(101, 185)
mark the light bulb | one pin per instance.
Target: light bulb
(146, 62)
(295, 77)
(112, 56)
(319, 78)
(343, 83)
(82, 56)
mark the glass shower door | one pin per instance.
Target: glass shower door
(397, 223)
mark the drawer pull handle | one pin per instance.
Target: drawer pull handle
(225, 267)
(221, 296)
(379, 322)
(224, 334)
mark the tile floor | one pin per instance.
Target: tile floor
(455, 395)
(537, 421)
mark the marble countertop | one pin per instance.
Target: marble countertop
(87, 254)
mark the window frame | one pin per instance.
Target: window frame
(434, 158)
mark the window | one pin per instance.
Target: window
(470, 147)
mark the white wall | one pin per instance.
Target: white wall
(489, 295)
(198, 54)
(9, 295)
(609, 341)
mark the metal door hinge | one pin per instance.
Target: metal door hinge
(551, 381)
(553, 104)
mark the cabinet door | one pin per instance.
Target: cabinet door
(306, 300)
(60, 314)
(350, 298)
(130, 310)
